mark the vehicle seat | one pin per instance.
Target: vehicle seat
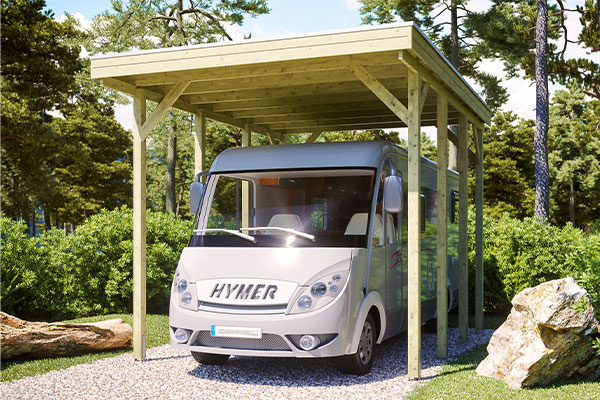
(290, 221)
(358, 226)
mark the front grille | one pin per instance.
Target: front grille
(231, 309)
(267, 342)
(323, 339)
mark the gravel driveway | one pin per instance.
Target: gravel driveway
(170, 373)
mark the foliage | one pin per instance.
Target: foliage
(508, 171)
(89, 272)
(157, 328)
(37, 76)
(464, 52)
(574, 154)
(62, 149)
(524, 253)
(138, 24)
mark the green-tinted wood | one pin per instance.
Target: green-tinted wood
(139, 229)
(442, 239)
(246, 141)
(200, 142)
(414, 227)
(463, 278)
(479, 230)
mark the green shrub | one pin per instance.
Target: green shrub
(89, 272)
(523, 253)
(19, 273)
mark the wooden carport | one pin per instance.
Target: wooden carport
(386, 76)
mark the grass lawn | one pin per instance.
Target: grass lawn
(157, 335)
(458, 380)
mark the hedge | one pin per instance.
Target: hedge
(523, 253)
(57, 277)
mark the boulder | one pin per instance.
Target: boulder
(23, 340)
(547, 338)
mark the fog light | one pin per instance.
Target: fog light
(186, 298)
(309, 342)
(181, 335)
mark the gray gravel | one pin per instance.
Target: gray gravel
(170, 373)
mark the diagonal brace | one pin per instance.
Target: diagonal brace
(381, 92)
(162, 108)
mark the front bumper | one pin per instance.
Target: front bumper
(278, 330)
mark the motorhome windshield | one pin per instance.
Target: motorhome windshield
(323, 208)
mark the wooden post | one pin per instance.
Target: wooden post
(463, 277)
(479, 229)
(246, 142)
(442, 228)
(139, 228)
(414, 226)
(200, 142)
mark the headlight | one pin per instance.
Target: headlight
(320, 293)
(185, 292)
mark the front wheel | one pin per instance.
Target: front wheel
(210, 359)
(360, 362)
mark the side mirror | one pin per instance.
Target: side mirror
(392, 194)
(196, 192)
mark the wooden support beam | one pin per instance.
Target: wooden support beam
(411, 63)
(414, 226)
(453, 137)
(314, 136)
(479, 229)
(442, 232)
(165, 104)
(139, 228)
(200, 142)
(463, 205)
(423, 97)
(246, 142)
(383, 93)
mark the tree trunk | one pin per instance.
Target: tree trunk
(572, 202)
(33, 223)
(452, 150)
(540, 139)
(170, 178)
(454, 34)
(47, 223)
(23, 340)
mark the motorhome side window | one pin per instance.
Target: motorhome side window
(325, 208)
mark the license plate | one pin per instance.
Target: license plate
(236, 332)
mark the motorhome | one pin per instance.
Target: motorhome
(300, 251)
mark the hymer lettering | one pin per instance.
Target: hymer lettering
(217, 290)
(243, 292)
(231, 289)
(256, 293)
(271, 289)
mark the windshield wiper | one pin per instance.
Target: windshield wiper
(230, 231)
(287, 230)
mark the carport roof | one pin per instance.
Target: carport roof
(298, 84)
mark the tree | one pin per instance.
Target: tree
(93, 167)
(574, 155)
(508, 167)
(162, 23)
(462, 45)
(540, 139)
(39, 63)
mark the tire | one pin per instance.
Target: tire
(210, 359)
(360, 362)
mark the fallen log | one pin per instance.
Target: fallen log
(24, 340)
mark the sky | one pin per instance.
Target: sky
(290, 17)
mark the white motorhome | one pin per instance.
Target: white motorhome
(299, 251)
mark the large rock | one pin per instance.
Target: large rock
(545, 340)
(26, 340)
